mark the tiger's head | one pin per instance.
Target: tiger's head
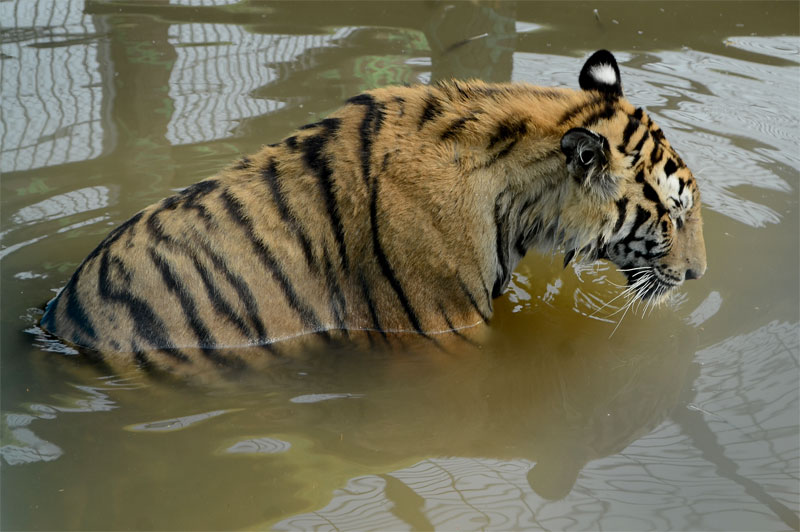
(628, 182)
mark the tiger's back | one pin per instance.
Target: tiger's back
(404, 211)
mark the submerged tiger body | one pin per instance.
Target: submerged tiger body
(404, 211)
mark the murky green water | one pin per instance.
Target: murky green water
(685, 419)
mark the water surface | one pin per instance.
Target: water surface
(686, 418)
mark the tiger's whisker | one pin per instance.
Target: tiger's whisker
(628, 306)
(631, 292)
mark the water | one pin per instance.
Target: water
(686, 418)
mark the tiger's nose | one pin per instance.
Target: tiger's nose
(692, 274)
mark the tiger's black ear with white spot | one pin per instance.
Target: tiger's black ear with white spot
(601, 73)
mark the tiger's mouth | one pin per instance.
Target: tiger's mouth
(647, 284)
(644, 282)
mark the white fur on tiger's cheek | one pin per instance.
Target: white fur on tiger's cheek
(680, 197)
(604, 73)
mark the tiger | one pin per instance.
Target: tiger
(403, 212)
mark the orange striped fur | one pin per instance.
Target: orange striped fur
(404, 211)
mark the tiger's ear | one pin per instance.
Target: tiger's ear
(587, 160)
(601, 73)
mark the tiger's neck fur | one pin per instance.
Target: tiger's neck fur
(503, 143)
